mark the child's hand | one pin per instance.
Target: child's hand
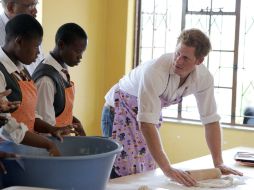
(5, 105)
(59, 132)
(79, 129)
(5, 155)
(53, 150)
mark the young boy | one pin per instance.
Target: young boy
(5, 107)
(23, 37)
(55, 90)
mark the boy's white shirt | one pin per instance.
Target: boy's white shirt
(46, 91)
(13, 130)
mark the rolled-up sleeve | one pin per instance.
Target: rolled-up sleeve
(149, 103)
(13, 131)
(206, 102)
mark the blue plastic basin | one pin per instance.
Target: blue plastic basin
(86, 163)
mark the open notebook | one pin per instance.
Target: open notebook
(245, 158)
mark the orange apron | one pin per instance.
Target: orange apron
(65, 118)
(26, 111)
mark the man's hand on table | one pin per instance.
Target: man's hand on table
(181, 177)
(225, 170)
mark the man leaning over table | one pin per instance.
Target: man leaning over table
(132, 112)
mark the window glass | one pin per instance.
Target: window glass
(245, 78)
(216, 5)
(189, 108)
(221, 67)
(230, 61)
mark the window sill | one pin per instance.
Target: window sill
(198, 123)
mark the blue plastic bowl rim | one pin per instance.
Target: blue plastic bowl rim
(93, 156)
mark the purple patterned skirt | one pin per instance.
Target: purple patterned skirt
(135, 157)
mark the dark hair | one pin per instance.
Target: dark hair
(70, 32)
(248, 115)
(197, 39)
(23, 25)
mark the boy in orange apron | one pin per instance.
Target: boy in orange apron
(23, 37)
(6, 107)
(55, 90)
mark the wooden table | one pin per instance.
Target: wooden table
(155, 179)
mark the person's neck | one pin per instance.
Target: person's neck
(8, 51)
(55, 54)
(182, 80)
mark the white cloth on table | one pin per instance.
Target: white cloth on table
(230, 181)
(216, 183)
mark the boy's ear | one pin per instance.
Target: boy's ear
(18, 40)
(60, 44)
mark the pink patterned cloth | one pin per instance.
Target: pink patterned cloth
(135, 157)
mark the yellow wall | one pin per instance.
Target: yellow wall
(109, 24)
(183, 142)
(105, 22)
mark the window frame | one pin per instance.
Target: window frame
(185, 12)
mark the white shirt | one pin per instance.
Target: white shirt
(46, 91)
(13, 130)
(3, 21)
(155, 79)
